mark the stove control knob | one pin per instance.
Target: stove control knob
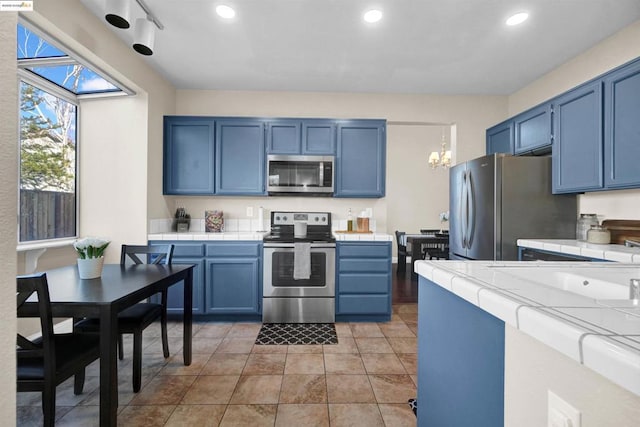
(277, 218)
(317, 219)
(284, 218)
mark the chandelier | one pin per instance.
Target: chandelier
(443, 158)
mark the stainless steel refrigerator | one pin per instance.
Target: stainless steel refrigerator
(497, 199)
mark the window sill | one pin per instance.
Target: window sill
(33, 251)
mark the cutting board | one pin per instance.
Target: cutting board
(622, 229)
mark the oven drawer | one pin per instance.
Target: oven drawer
(363, 304)
(364, 283)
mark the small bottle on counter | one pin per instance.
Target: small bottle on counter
(598, 234)
(349, 221)
(584, 224)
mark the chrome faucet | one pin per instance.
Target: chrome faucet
(634, 289)
(632, 243)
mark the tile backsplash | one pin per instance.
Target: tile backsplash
(240, 225)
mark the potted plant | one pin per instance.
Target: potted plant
(90, 256)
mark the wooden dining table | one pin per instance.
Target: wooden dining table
(103, 298)
(418, 240)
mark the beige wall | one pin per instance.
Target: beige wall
(415, 194)
(532, 368)
(8, 213)
(612, 52)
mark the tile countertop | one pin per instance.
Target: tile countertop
(618, 253)
(601, 334)
(377, 237)
(201, 235)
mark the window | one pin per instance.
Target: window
(51, 84)
(47, 165)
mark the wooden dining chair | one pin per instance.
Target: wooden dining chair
(135, 319)
(402, 252)
(48, 360)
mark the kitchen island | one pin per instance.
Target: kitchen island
(496, 337)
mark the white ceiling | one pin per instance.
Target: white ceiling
(419, 46)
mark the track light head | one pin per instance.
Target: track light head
(144, 36)
(118, 13)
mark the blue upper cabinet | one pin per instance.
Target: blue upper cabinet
(319, 137)
(188, 155)
(622, 127)
(360, 158)
(283, 137)
(500, 138)
(532, 130)
(302, 137)
(577, 148)
(240, 157)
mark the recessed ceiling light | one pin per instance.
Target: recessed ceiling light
(373, 15)
(225, 11)
(518, 18)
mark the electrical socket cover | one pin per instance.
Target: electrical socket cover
(560, 413)
(250, 211)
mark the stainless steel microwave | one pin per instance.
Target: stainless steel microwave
(300, 175)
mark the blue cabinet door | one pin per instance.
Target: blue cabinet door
(360, 158)
(532, 130)
(622, 127)
(188, 155)
(319, 137)
(233, 286)
(577, 149)
(240, 157)
(283, 137)
(500, 138)
(175, 295)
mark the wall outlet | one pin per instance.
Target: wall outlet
(560, 413)
(250, 211)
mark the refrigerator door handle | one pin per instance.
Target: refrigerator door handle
(472, 212)
(463, 210)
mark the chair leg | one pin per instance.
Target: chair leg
(78, 382)
(165, 338)
(49, 405)
(120, 347)
(137, 361)
(402, 263)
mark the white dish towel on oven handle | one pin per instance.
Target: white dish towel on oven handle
(301, 261)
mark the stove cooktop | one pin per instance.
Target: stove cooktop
(282, 227)
(290, 238)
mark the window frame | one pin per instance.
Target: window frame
(29, 77)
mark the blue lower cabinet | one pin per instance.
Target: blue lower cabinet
(233, 286)
(227, 279)
(461, 361)
(175, 296)
(363, 289)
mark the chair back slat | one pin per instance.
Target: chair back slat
(154, 254)
(44, 347)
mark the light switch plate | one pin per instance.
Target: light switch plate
(560, 413)
(250, 211)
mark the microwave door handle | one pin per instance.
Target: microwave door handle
(321, 174)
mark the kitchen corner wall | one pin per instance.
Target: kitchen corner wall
(610, 53)
(8, 214)
(415, 194)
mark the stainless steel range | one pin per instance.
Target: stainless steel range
(299, 269)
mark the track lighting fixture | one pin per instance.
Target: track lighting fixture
(143, 37)
(118, 13)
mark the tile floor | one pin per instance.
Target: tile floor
(364, 380)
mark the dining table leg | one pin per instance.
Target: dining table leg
(108, 367)
(187, 319)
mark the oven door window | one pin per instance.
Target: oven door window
(282, 271)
